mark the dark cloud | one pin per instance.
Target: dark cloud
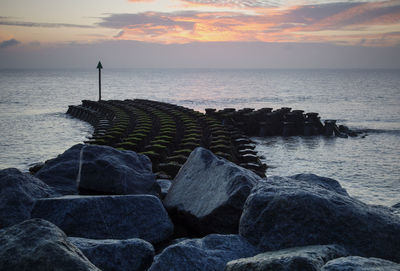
(312, 13)
(132, 21)
(334, 15)
(46, 25)
(366, 15)
(237, 3)
(119, 34)
(9, 43)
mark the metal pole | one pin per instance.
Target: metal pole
(99, 66)
(99, 84)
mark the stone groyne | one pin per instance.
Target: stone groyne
(168, 133)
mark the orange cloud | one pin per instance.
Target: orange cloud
(339, 23)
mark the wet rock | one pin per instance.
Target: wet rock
(360, 264)
(130, 254)
(37, 244)
(209, 192)
(18, 192)
(287, 212)
(107, 217)
(309, 258)
(209, 253)
(99, 169)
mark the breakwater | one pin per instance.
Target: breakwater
(168, 133)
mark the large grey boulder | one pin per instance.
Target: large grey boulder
(99, 169)
(355, 263)
(310, 258)
(18, 192)
(209, 192)
(37, 244)
(130, 254)
(286, 212)
(107, 217)
(210, 253)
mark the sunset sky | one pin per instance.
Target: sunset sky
(44, 33)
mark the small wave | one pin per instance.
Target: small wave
(10, 102)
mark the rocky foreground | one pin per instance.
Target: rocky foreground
(98, 208)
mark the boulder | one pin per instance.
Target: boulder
(99, 170)
(207, 254)
(18, 192)
(286, 212)
(209, 192)
(360, 264)
(130, 254)
(107, 217)
(37, 244)
(309, 258)
(165, 185)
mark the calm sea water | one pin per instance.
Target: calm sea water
(34, 126)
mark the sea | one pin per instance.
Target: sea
(34, 126)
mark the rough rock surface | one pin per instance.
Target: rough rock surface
(100, 169)
(309, 258)
(324, 182)
(396, 209)
(107, 217)
(37, 244)
(285, 212)
(209, 192)
(165, 185)
(207, 254)
(18, 192)
(355, 263)
(130, 254)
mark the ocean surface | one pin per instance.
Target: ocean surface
(34, 126)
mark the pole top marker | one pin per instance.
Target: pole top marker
(99, 66)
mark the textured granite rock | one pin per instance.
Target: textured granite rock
(18, 192)
(310, 258)
(37, 244)
(207, 254)
(107, 217)
(116, 255)
(287, 212)
(208, 192)
(354, 263)
(99, 169)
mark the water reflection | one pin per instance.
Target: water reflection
(291, 143)
(294, 142)
(312, 142)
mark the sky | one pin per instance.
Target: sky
(200, 33)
